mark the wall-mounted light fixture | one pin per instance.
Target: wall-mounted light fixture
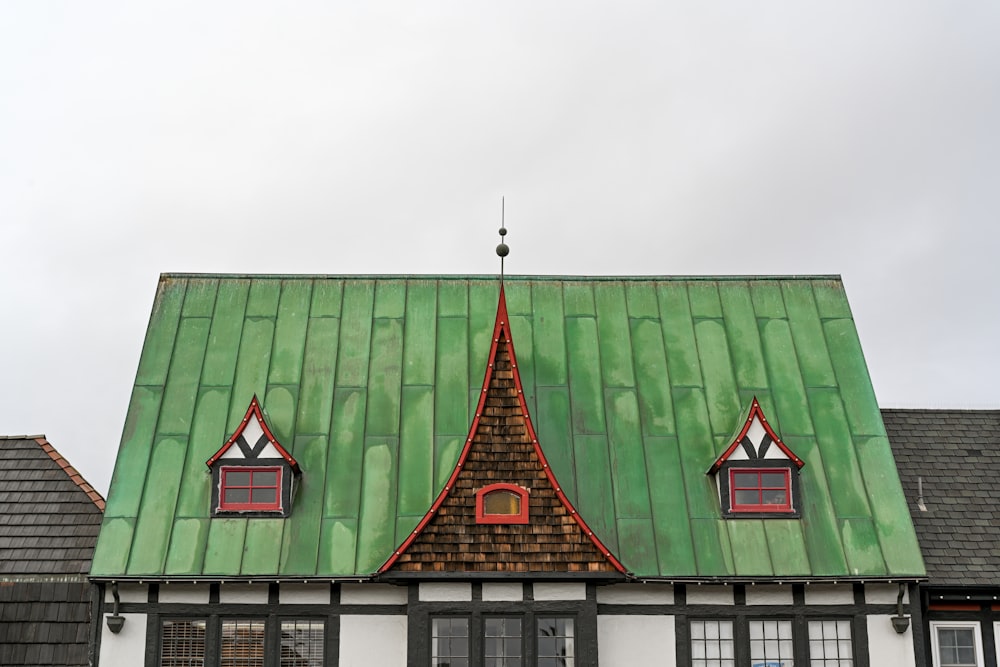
(116, 621)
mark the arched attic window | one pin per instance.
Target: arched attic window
(502, 503)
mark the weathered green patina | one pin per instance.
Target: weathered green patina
(634, 385)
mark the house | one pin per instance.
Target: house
(949, 463)
(451, 470)
(49, 520)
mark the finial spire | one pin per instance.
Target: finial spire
(502, 249)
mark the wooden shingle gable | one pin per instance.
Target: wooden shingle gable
(502, 452)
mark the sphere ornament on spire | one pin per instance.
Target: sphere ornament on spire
(502, 249)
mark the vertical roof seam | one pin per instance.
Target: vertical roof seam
(154, 433)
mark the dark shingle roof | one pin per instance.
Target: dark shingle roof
(44, 623)
(957, 454)
(49, 515)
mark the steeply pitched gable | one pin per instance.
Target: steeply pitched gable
(502, 448)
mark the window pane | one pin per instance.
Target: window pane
(745, 480)
(265, 496)
(830, 644)
(772, 480)
(502, 502)
(234, 496)
(242, 643)
(748, 497)
(771, 642)
(712, 644)
(237, 478)
(556, 646)
(183, 644)
(302, 643)
(265, 478)
(502, 642)
(957, 647)
(450, 642)
(774, 497)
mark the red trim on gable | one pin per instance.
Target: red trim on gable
(502, 324)
(254, 410)
(755, 410)
(71, 472)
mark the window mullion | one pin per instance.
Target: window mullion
(530, 639)
(800, 640)
(476, 639)
(213, 640)
(741, 635)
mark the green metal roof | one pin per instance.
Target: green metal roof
(635, 387)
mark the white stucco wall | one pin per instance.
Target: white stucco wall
(372, 594)
(768, 594)
(367, 641)
(234, 593)
(502, 592)
(829, 594)
(438, 591)
(184, 593)
(636, 594)
(710, 594)
(559, 591)
(885, 647)
(632, 641)
(128, 647)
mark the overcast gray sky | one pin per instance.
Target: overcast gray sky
(776, 137)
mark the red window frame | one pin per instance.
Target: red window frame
(483, 517)
(760, 506)
(250, 505)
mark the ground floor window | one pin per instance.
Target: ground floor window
(183, 643)
(242, 642)
(712, 644)
(771, 643)
(498, 641)
(830, 644)
(956, 644)
(502, 642)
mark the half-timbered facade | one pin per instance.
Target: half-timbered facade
(574, 472)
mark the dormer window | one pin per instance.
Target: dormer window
(760, 490)
(502, 503)
(758, 475)
(252, 474)
(252, 489)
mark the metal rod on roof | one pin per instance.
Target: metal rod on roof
(502, 250)
(920, 495)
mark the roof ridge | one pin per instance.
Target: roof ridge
(70, 471)
(492, 277)
(23, 437)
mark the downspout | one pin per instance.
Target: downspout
(116, 621)
(900, 623)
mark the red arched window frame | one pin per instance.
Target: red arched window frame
(483, 517)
